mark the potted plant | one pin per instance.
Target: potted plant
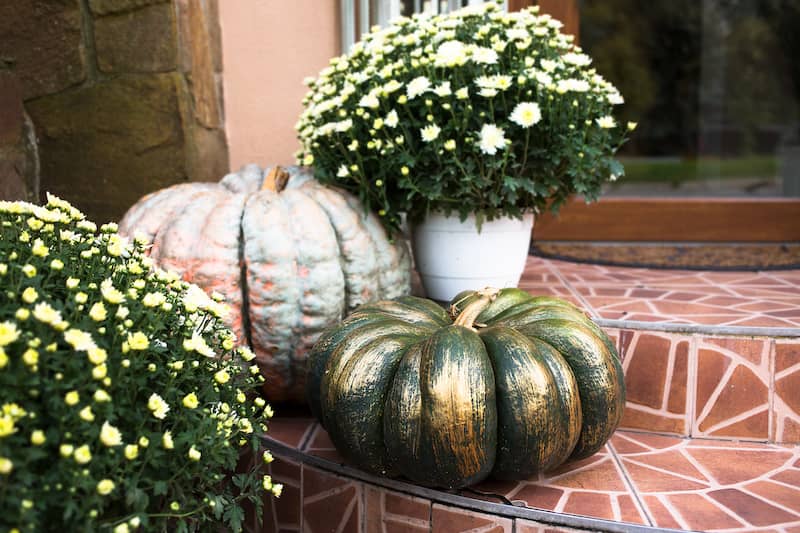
(475, 121)
(124, 404)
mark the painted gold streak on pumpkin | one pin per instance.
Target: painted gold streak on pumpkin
(459, 412)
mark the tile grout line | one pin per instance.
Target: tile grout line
(772, 429)
(305, 440)
(691, 393)
(554, 270)
(631, 487)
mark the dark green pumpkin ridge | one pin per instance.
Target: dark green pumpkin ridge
(359, 389)
(538, 414)
(598, 374)
(339, 343)
(402, 413)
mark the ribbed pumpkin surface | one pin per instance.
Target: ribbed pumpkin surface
(402, 389)
(290, 263)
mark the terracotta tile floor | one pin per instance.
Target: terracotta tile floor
(641, 478)
(769, 299)
(726, 398)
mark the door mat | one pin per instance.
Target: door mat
(691, 256)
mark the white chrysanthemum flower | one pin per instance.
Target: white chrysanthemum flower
(579, 60)
(451, 54)
(606, 122)
(370, 101)
(484, 56)
(492, 139)
(526, 114)
(109, 435)
(158, 406)
(342, 172)
(196, 298)
(543, 78)
(392, 120)
(503, 82)
(430, 132)
(571, 84)
(615, 98)
(343, 125)
(198, 343)
(549, 65)
(443, 89)
(390, 87)
(517, 34)
(418, 86)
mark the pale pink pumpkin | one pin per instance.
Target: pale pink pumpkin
(290, 263)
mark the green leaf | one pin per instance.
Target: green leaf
(234, 517)
(159, 488)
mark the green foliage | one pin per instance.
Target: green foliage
(123, 402)
(473, 111)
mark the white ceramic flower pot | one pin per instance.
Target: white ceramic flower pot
(451, 256)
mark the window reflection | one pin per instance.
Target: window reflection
(715, 87)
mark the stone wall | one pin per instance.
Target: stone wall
(124, 97)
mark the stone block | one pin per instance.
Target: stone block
(107, 7)
(18, 156)
(188, 33)
(144, 40)
(207, 154)
(43, 40)
(204, 84)
(11, 110)
(103, 147)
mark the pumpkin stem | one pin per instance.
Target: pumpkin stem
(276, 180)
(470, 313)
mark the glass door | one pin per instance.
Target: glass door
(715, 88)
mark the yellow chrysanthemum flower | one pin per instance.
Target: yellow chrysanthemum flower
(158, 406)
(166, 441)
(138, 341)
(131, 452)
(82, 454)
(72, 397)
(38, 437)
(105, 487)
(190, 401)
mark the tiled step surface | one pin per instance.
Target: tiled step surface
(638, 478)
(755, 299)
(706, 354)
(709, 439)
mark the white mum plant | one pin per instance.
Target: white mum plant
(475, 111)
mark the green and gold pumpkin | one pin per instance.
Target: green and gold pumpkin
(511, 386)
(292, 258)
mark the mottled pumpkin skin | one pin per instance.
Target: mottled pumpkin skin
(402, 390)
(289, 263)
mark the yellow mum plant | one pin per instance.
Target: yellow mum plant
(111, 418)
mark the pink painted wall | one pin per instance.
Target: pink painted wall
(268, 47)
